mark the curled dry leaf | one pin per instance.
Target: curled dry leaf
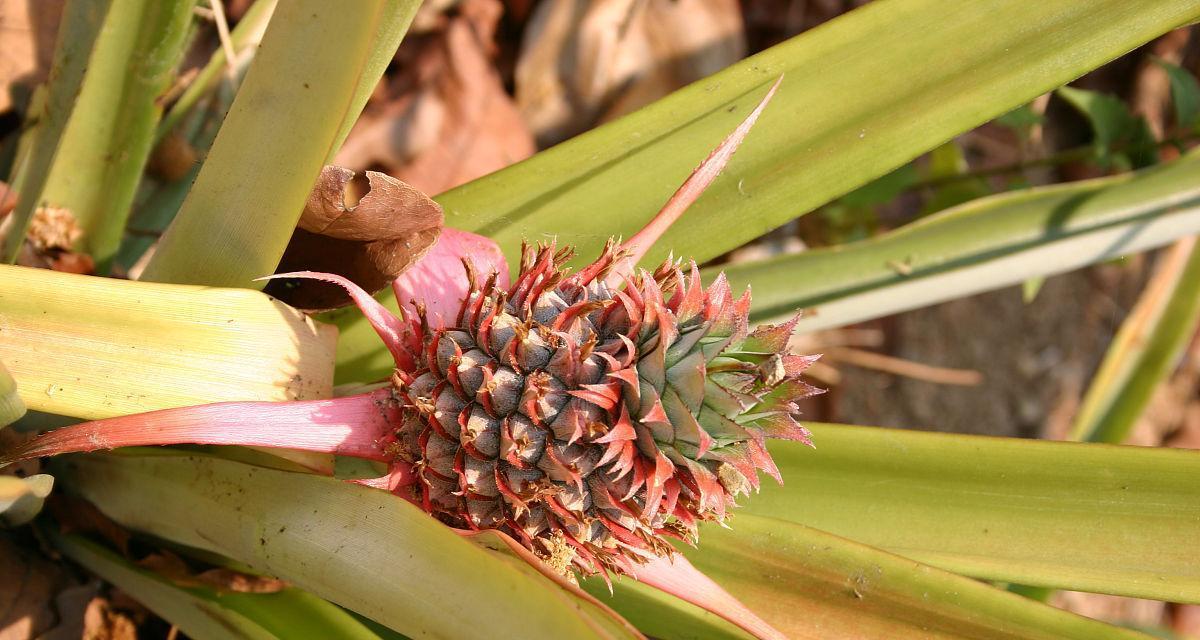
(52, 233)
(28, 583)
(444, 117)
(175, 569)
(582, 63)
(75, 515)
(370, 243)
(29, 30)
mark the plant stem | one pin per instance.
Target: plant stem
(80, 26)
(109, 138)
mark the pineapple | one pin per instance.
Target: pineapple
(589, 421)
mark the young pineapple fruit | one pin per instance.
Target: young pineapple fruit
(589, 421)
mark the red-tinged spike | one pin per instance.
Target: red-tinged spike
(619, 532)
(391, 329)
(763, 460)
(350, 426)
(712, 494)
(693, 299)
(655, 414)
(611, 452)
(484, 395)
(719, 298)
(563, 321)
(685, 517)
(676, 576)
(664, 470)
(557, 509)
(605, 396)
(452, 370)
(629, 377)
(438, 280)
(668, 326)
(670, 496)
(622, 430)
(794, 365)
(562, 467)
(770, 338)
(630, 296)
(483, 335)
(460, 473)
(400, 475)
(783, 426)
(738, 456)
(638, 481)
(599, 267)
(507, 492)
(741, 317)
(626, 463)
(472, 286)
(601, 490)
(689, 191)
(651, 292)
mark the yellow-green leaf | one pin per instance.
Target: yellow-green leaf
(1086, 517)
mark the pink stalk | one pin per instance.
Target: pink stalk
(350, 426)
(679, 578)
(390, 328)
(438, 280)
(636, 247)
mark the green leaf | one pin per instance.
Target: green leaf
(78, 30)
(204, 614)
(852, 107)
(947, 163)
(986, 244)
(364, 549)
(11, 405)
(1145, 349)
(1185, 94)
(1117, 132)
(111, 132)
(883, 189)
(810, 584)
(1086, 517)
(244, 38)
(1022, 119)
(306, 80)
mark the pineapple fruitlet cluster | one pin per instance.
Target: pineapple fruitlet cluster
(587, 420)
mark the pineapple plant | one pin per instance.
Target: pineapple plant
(583, 417)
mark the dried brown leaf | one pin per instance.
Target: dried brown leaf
(582, 63)
(371, 243)
(445, 118)
(29, 583)
(29, 29)
(102, 622)
(80, 516)
(175, 569)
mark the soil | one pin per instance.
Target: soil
(1035, 358)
